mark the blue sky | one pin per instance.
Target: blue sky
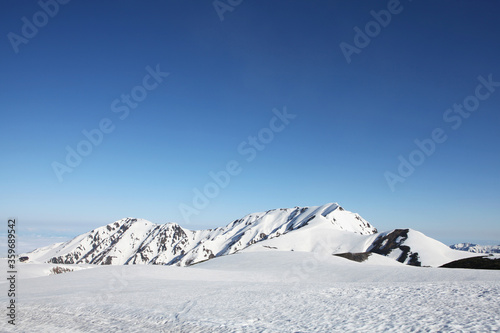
(351, 120)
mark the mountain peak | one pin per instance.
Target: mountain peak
(138, 241)
(327, 229)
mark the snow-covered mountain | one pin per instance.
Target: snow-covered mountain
(327, 229)
(469, 247)
(414, 248)
(406, 246)
(137, 241)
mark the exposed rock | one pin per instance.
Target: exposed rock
(358, 257)
(475, 263)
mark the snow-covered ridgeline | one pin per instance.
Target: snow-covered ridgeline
(327, 229)
(137, 241)
(475, 248)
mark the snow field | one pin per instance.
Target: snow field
(268, 291)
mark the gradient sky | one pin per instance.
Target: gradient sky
(353, 120)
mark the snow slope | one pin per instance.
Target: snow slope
(263, 291)
(413, 247)
(400, 245)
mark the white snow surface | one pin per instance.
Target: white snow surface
(260, 291)
(321, 238)
(268, 272)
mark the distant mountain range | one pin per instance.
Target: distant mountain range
(474, 248)
(327, 229)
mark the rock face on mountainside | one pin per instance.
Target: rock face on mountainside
(392, 243)
(413, 248)
(137, 241)
(469, 247)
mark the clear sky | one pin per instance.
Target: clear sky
(352, 84)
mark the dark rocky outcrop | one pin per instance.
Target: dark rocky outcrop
(474, 263)
(358, 257)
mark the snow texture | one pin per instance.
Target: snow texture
(274, 271)
(262, 291)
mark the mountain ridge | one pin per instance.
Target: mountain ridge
(138, 241)
(475, 248)
(328, 228)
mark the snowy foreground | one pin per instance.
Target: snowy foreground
(266, 291)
